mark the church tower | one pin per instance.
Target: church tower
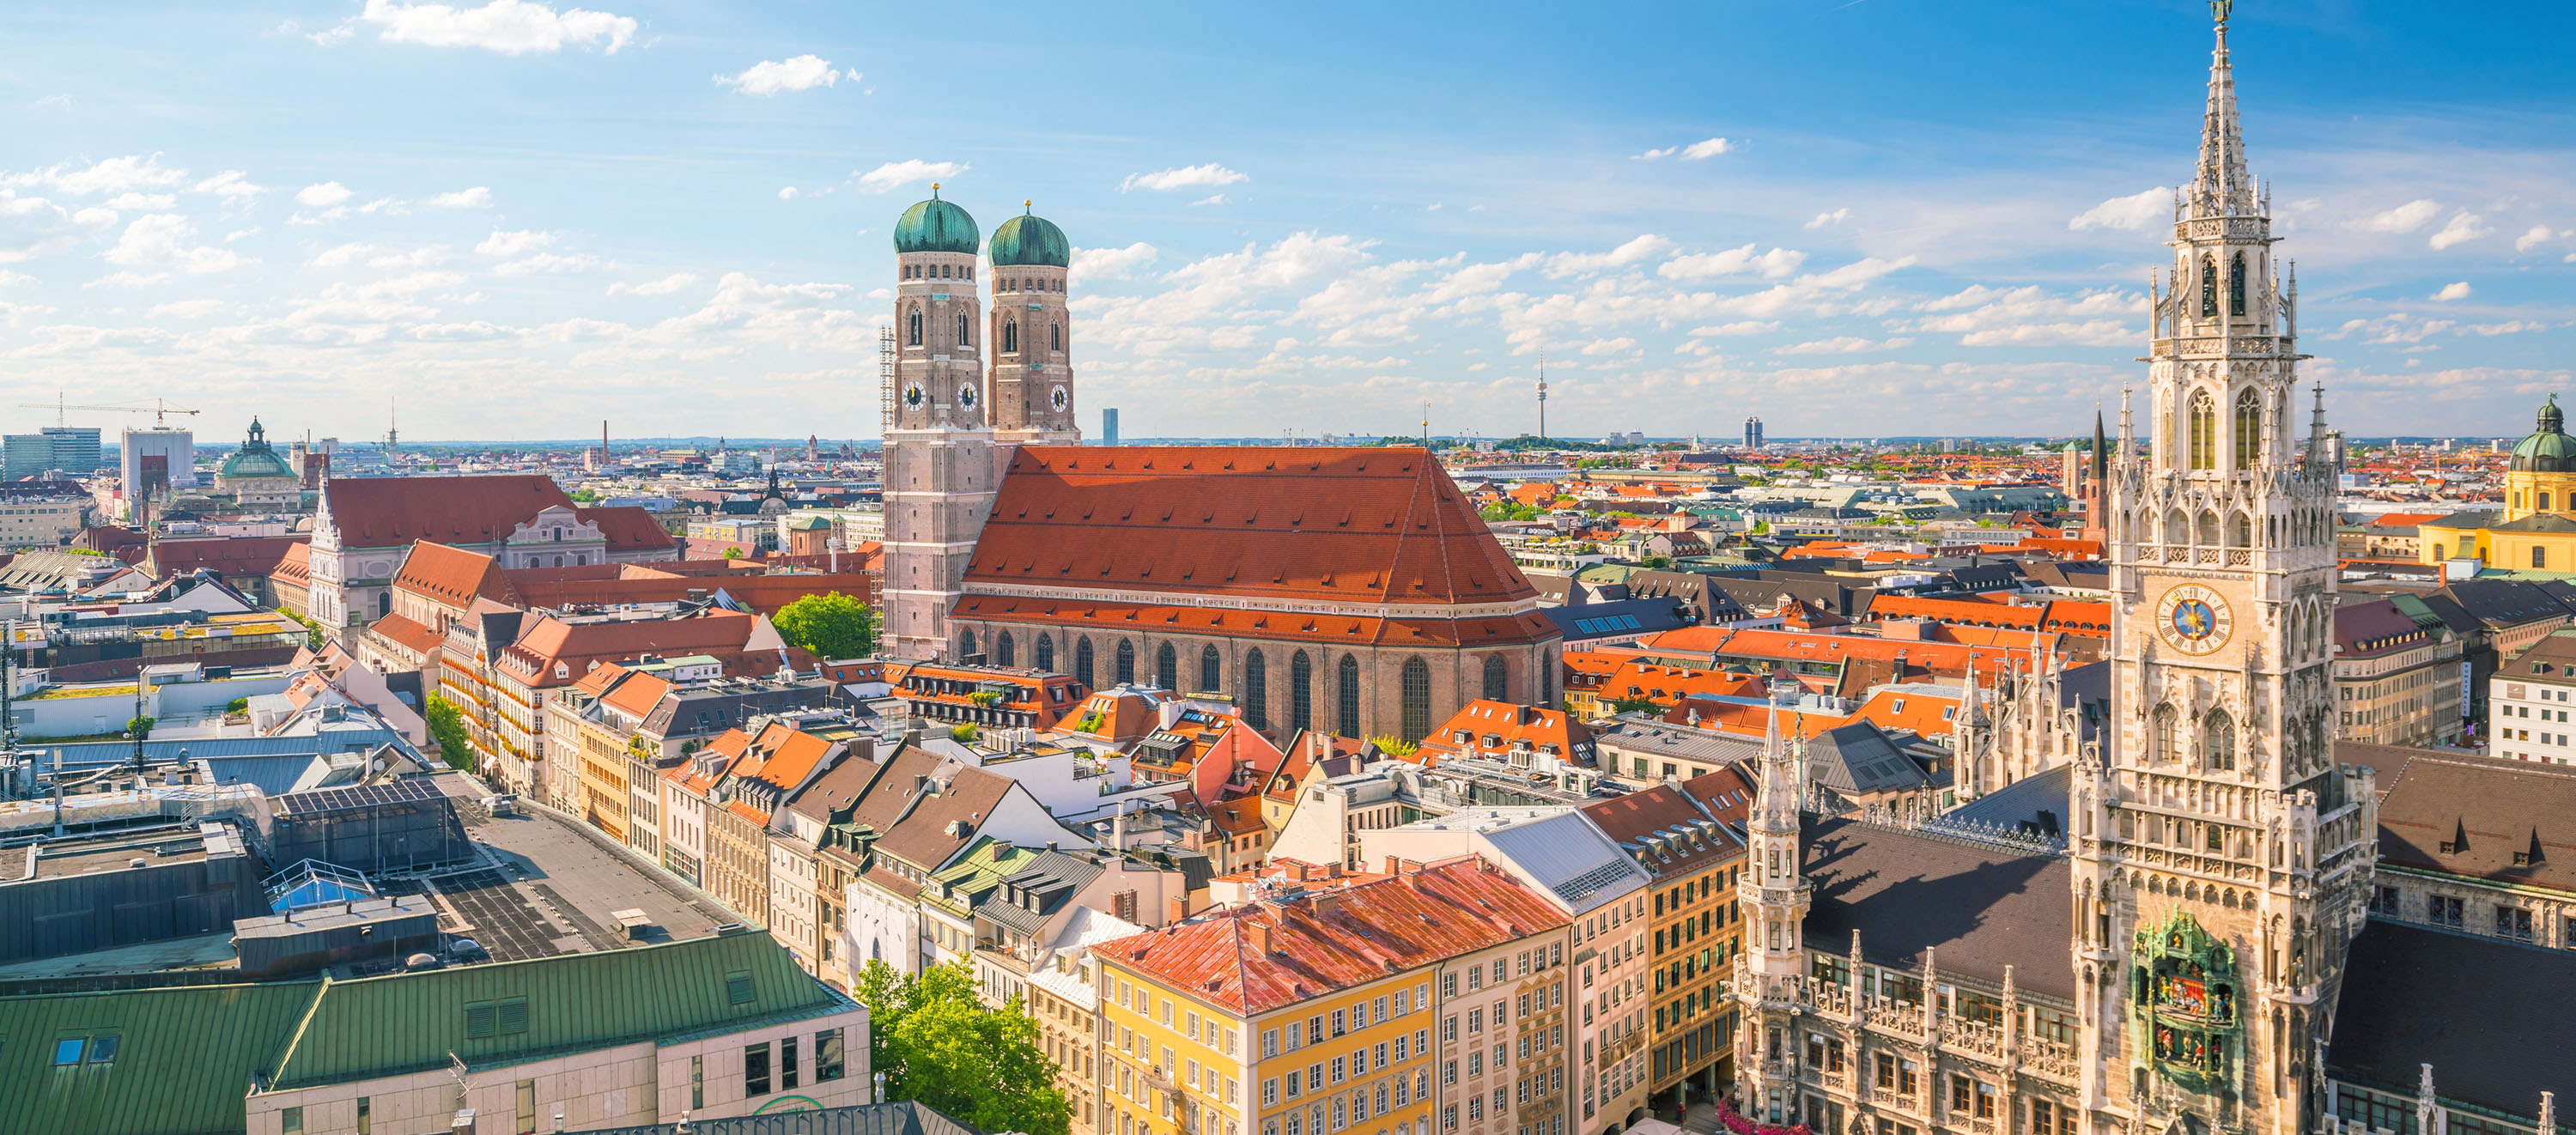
(1031, 337)
(2220, 856)
(940, 460)
(1775, 895)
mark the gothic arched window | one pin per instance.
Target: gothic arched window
(1348, 696)
(2161, 739)
(2218, 741)
(965, 331)
(1417, 699)
(966, 644)
(2204, 432)
(1010, 336)
(1167, 668)
(1082, 659)
(1055, 337)
(2249, 427)
(1126, 669)
(1211, 670)
(1497, 679)
(1256, 690)
(1004, 649)
(2236, 287)
(2240, 530)
(2208, 288)
(1044, 654)
(1301, 692)
(914, 338)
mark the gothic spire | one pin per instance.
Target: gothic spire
(2222, 186)
(2101, 449)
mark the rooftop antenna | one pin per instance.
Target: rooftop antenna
(1426, 425)
(392, 436)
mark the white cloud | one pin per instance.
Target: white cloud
(1696, 151)
(114, 175)
(1213, 199)
(2393, 328)
(2464, 227)
(2405, 218)
(129, 280)
(1110, 263)
(187, 309)
(165, 238)
(1989, 317)
(1185, 177)
(1740, 327)
(513, 243)
(143, 201)
(2532, 238)
(339, 256)
(2134, 211)
(548, 262)
(57, 102)
(1844, 345)
(2452, 291)
(1645, 247)
(662, 287)
(895, 175)
(232, 185)
(95, 215)
(479, 197)
(787, 194)
(427, 256)
(802, 73)
(1774, 264)
(1833, 218)
(322, 196)
(2511, 327)
(511, 27)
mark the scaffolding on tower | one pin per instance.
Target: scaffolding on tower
(885, 379)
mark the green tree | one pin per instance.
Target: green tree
(937, 1044)
(964, 733)
(138, 727)
(447, 728)
(313, 636)
(832, 626)
(1637, 705)
(584, 496)
(733, 553)
(1388, 744)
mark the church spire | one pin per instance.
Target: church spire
(2222, 187)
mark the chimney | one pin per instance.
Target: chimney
(1260, 934)
(1175, 909)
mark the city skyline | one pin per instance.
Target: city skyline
(1779, 223)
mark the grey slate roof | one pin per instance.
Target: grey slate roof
(1860, 758)
(1979, 907)
(2489, 1015)
(1571, 858)
(2035, 803)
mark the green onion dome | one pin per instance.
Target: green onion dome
(935, 226)
(1030, 239)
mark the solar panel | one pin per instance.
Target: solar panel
(357, 796)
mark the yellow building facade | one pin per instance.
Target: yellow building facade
(2536, 529)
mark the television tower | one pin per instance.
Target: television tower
(1542, 394)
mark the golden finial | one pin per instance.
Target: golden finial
(934, 189)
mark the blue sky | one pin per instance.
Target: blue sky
(1923, 217)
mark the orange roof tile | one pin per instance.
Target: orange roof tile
(1350, 525)
(1280, 626)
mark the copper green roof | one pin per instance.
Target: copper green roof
(186, 1056)
(1030, 239)
(935, 226)
(976, 874)
(2548, 449)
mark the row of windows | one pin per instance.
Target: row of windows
(1254, 692)
(938, 271)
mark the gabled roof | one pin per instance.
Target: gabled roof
(1861, 758)
(1982, 907)
(1346, 525)
(2503, 821)
(377, 512)
(1664, 830)
(1347, 937)
(452, 577)
(2488, 1014)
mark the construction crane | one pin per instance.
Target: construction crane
(159, 410)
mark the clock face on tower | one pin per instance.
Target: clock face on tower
(912, 396)
(966, 397)
(2193, 619)
(1057, 398)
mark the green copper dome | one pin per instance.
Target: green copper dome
(935, 226)
(2548, 449)
(255, 458)
(1030, 239)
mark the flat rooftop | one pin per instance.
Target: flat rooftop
(551, 886)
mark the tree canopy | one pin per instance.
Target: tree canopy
(832, 626)
(447, 727)
(936, 1043)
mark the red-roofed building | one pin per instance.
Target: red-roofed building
(1349, 589)
(1340, 975)
(365, 527)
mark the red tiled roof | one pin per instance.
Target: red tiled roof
(378, 512)
(577, 645)
(638, 694)
(1656, 811)
(1347, 937)
(1281, 626)
(559, 587)
(234, 557)
(295, 568)
(1376, 525)
(1495, 728)
(407, 633)
(452, 577)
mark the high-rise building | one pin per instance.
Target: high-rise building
(1752, 433)
(71, 449)
(940, 462)
(1109, 426)
(158, 459)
